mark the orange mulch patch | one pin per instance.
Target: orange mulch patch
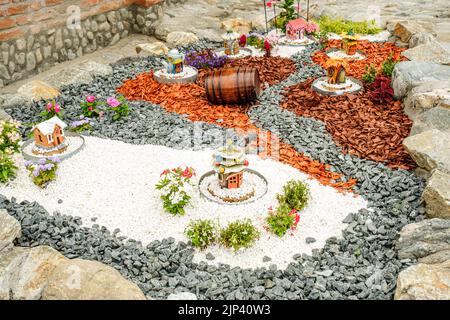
(272, 70)
(190, 99)
(376, 54)
(359, 126)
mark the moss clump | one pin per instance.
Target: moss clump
(339, 25)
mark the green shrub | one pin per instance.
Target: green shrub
(9, 136)
(388, 66)
(370, 74)
(340, 25)
(202, 233)
(239, 234)
(295, 195)
(7, 168)
(280, 221)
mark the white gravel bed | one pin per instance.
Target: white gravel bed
(340, 54)
(338, 89)
(186, 73)
(279, 51)
(252, 184)
(73, 144)
(114, 182)
(241, 54)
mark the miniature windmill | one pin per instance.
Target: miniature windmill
(229, 163)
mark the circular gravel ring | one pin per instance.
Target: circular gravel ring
(336, 49)
(253, 199)
(249, 53)
(334, 93)
(284, 42)
(67, 155)
(189, 79)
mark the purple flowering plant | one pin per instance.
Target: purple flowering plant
(43, 171)
(205, 59)
(119, 106)
(82, 124)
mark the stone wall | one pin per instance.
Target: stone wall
(36, 34)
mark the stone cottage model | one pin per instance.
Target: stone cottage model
(49, 137)
(229, 163)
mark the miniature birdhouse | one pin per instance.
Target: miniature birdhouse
(349, 43)
(336, 69)
(229, 163)
(175, 62)
(231, 43)
(49, 137)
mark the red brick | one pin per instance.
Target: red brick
(50, 3)
(147, 3)
(17, 9)
(45, 15)
(11, 34)
(89, 3)
(21, 20)
(6, 23)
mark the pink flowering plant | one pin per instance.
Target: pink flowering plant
(44, 171)
(52, 108)
(91, 107)
(176, 189)
(9, 136)
(82, 124)
(119, 107)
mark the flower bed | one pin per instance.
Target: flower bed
(376, 54)
(358, 125)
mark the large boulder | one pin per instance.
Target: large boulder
(429, 149)
(436, 118)
(180, 38)
(426, 96)
(37, 90)
(421, 38)
(421, 239)
(155, 48)
(24, 272)
(405, 29)
(424, 282)
(9, 229)
(238, 25)
(437, 195)
(88, 280)
(432, 51)
(410, 74)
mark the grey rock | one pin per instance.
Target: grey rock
(409, 74)
(430, 52)
(9, 229)
(210, 256)
(426, 149)
(435, 118)
(31, 61)
(420, 38)
(437, 195)
(182, 296)
(309, 240)
(267, 259)
(418, 240)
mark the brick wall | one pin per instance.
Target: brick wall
(35, 34)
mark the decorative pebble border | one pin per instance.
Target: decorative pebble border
(360, 265)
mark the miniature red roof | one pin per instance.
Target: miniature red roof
(297, 24)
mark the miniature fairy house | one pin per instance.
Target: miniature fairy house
(231, 43)
(49, 137)
(349, 43)
(175, 62)
(229, 163)
(295, 29)
(336, 69)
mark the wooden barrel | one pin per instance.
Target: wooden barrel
(233, 85)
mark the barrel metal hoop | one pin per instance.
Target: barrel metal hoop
(237, 84)
(219, 86)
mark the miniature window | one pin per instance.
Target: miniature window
(40, 138)
(50, 138)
